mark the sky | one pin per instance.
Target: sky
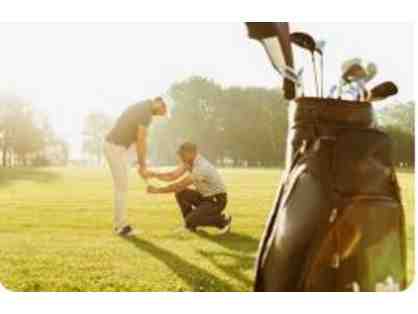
(69, 70)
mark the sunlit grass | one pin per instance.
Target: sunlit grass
(55, 234)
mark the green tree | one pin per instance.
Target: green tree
(242, 126)
(398, 121)
(21, 136)
(28, 138)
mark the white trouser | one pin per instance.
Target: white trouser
(117, 158)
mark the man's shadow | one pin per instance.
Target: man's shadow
(243, 257)
(197, 278)
(237, 268)
(232, 241)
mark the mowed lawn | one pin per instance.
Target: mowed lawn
(56, 234)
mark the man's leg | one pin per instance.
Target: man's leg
(116, 158)
(208, 213)
(187, 199)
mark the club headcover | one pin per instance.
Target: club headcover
(270, 34)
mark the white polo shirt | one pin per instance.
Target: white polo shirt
(206, 177)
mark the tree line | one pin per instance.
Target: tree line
(398, 120)
(233, 126)
(26, 138)
(247, 126)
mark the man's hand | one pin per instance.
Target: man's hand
(170, 175)
(171, 188)
(151, 174)
(152, 189)
(144, 173)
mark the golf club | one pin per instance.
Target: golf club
(300, 82)
(319, 48)
(332, 91)
(305, 41)
(382, 91)
(274, 36)
(344, 69)
(371, 70)
(289, 74)
(353, 91)
(294, 77)
(354, 73)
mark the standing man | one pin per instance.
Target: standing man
(204, 205)
(130, 128)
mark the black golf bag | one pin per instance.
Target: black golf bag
(337, 223)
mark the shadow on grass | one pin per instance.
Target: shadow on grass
(38, 175)
(236, 268)
(197, 278)
(232, 241)
(243, 260)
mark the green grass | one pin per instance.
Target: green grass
(55, 234)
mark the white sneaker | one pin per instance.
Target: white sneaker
(126, 231)
(227, 228)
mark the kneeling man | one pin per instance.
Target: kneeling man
(204, 205)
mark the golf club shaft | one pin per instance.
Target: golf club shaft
(322, 75)
(315, 75)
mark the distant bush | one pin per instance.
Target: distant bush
(40, 161)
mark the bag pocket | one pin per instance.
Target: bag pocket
(362, 250)
(363, 163)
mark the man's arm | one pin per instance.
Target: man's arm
(170, 175)
(141, 147)
(172, 188)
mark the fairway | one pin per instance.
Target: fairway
(56, 234)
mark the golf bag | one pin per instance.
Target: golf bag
(337, 223)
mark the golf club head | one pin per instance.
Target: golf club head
(382, 91)
(354, 73)
(319, 46)
(346, 70)
(371, 70)
(349, 63)
(306, 41)
(303, 40)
